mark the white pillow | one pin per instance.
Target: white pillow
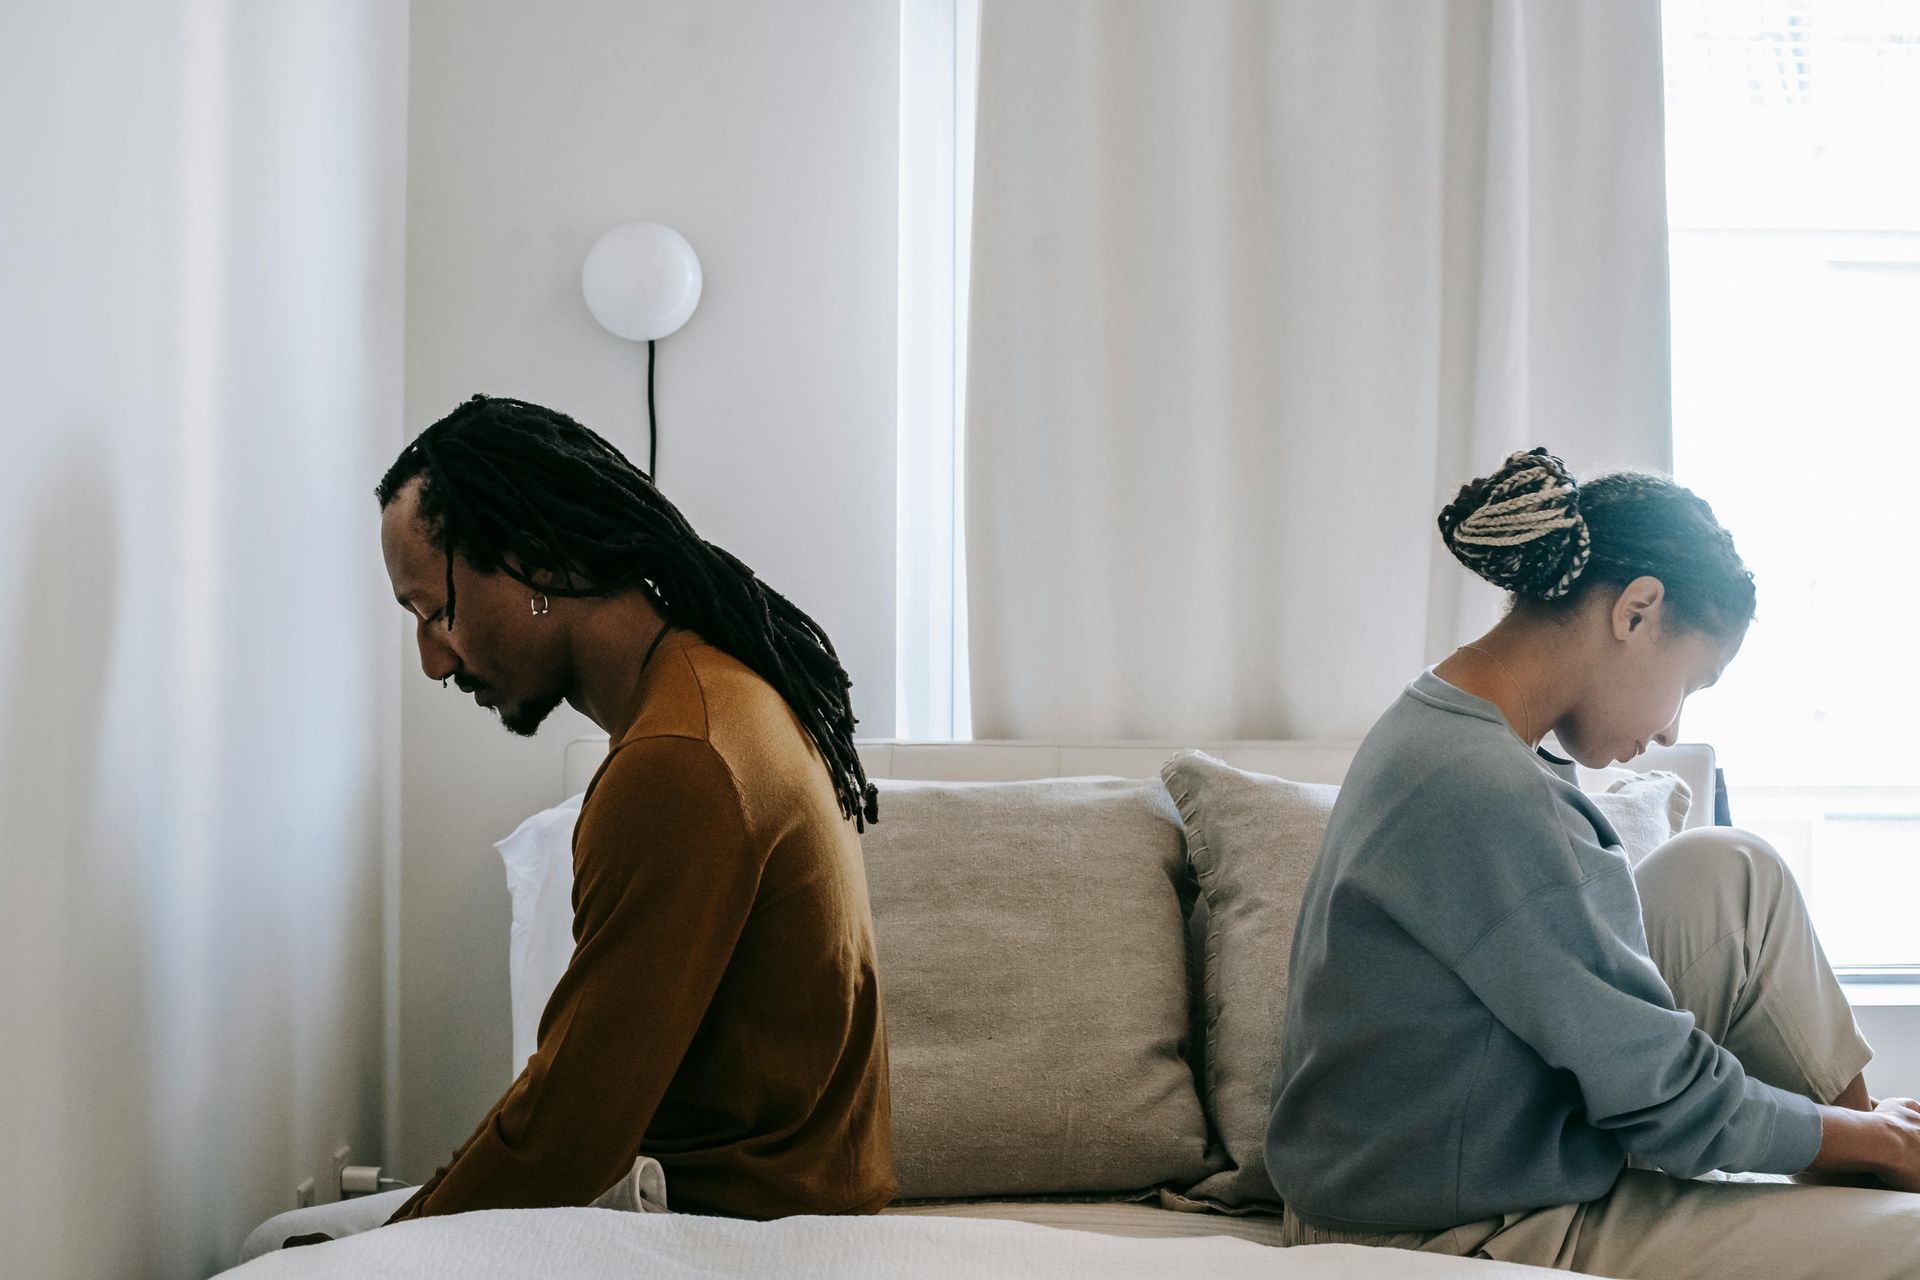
(1646, 809)
(539, 860)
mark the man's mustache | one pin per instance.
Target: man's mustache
(467, 684)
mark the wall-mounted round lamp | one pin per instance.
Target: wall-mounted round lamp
(642, 280)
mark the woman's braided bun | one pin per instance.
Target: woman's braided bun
(1521, 528)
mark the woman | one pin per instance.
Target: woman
(1490, 1013)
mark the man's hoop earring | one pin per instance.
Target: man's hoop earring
(541, 606)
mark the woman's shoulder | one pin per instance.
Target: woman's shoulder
(1438, 753)
(1453, 798)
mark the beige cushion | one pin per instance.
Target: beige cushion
(1252, 841)
(1032, 958)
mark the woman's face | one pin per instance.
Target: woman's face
(1641, 671)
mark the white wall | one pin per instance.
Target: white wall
(200, 237)
(1893, 1029)
(766, 133)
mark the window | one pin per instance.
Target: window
(1793, 173)
(939, 42)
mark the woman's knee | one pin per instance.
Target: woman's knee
(1710, 857)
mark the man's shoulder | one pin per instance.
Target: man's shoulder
(643, 763)
(659, 787)
(700, 691)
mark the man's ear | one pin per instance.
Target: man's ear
(547, 579)
(542, 579)
(1636, 610)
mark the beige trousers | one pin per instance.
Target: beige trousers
(1730, 933)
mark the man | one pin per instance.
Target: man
(721, 1013)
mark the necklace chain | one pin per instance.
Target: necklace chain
(1526, 708)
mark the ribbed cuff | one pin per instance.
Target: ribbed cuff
(1795, 1140)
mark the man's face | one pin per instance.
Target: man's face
(509, 658)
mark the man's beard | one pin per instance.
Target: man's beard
(525, 718)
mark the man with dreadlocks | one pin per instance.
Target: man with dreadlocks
(721, 1012)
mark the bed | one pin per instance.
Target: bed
(602, 1244)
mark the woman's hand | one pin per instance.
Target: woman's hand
(1884, 1142)
(1902, 1116)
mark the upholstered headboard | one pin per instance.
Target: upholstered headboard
(1014, 761)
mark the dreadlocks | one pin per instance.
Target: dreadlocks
(518, 489)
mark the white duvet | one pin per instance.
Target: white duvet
(598, 1244)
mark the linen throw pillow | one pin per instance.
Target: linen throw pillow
(1032, 956)
(1252, 841)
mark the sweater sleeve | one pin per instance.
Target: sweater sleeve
(1568, 972)
(665, 878)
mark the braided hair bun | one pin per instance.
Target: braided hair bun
(1521, 528)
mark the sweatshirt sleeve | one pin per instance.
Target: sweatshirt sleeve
(665, 878)
(1568, 972)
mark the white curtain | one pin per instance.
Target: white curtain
(201, 224)
(1256, 286)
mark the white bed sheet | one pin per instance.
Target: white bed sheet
(1145, 1220)
(600, 1244)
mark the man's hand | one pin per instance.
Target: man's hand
(318, 1237)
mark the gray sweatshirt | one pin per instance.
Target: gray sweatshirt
(1473, 1024)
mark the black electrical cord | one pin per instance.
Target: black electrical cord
(653, 426)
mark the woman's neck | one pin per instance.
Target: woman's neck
(1512, 668)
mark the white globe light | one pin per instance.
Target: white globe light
(642, 280)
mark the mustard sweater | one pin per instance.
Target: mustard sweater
(721, 1012)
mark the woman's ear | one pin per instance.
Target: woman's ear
(1636, 610)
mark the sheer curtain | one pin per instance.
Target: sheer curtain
(1255, 285)
(201, 225)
